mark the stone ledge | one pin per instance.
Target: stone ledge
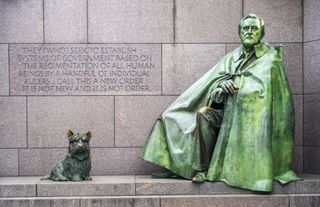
(282, 200)
(12, 187)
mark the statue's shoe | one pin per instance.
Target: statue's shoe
(200, 177)
(163, 174)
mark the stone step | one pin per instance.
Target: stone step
(135, 190)
(280, 200)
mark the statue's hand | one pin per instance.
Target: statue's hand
(228, 86)
(216, 95)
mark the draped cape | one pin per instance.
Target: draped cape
(255, 143)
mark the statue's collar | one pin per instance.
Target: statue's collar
(259, 50)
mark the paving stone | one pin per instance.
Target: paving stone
(119, 161)
(98, 186)
(311, 67)
(309, 185)
(311, 160)
(311, 120)
(225, 200)
(130, 21)
(124, 201)
(65, 21)
(4, 70)
(39, 161)
(135, 116)
(18, 186)
(77, 113)
(8, 162)
(207, 21)
(216, 188)
(298, 159)
(311, 20)
(146, 185)
(183, 64)
(305, 200)
(40, 202)
(22, 20)
(283, 19)
(13, 122)
(298, 105)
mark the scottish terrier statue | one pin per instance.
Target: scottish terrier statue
(77, 164)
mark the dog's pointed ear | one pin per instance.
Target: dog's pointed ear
(69, 133)
(89, 134)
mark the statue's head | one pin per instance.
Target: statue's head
(251, 30)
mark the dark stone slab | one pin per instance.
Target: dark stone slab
(311, 67)
(311, 20)
(40, 202)
(311, 120)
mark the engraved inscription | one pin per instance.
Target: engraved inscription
(85, 69)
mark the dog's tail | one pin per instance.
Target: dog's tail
(47, 177)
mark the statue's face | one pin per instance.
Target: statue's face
(251, 32)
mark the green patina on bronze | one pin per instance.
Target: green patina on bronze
(235, 124)
(77, 164)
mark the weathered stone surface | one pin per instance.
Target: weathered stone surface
(50, 117)
(216, 188)
(8, 162)
(4, 70)
(183, 64)
(146, 185)
(22, 21)
(207, 21)
(85, 69)
(309, 185)
(13, 122)
(98, 186)
(40, 202)
(311, 67)
(124, 201)
(18, 186)
(225, 200)
(311, 20)
(283, 19)
(298, 105)
(311, 160)
(65, 21)
(293, 65)
(119, 161)
(305, 200)
(130, 21)
(311, 120)
(298, 159)
(135, 116)
(39, 161)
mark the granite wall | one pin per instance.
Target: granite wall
(176, 42)
(311, 65)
